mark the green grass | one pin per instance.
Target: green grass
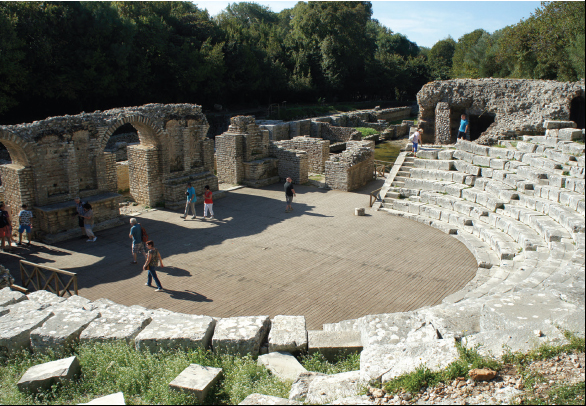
(142, 377)
(559, 395)
(317, 363)
(366, 131)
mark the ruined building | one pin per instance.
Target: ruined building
(497, 108)
(56, 159)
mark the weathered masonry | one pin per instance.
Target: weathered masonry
(56, 159)
(497, 108)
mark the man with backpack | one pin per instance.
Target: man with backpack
(138, 235)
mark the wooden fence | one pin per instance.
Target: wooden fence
(42, 277)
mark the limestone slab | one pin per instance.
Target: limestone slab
(282, 364)
(333, 344)
(62, 329)
(42, 376)
(394, 328)
(354, 400)
(45, 297)
(175, 330)
(241, 335)
(114, 399)
(288, 333)
(385, 362)
(115, 324)
(196, 379)
(258, 399)
(9, 297)
(15, 328)
(316, 388)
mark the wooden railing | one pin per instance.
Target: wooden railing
(380, 167)
(40, 281)
(374, 196)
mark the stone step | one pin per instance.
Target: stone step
(397, 184)
(404, 174)
(332, 344)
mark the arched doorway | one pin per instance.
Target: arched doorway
(577, 111)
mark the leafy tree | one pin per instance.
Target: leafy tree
(463, 66)
(440, 58)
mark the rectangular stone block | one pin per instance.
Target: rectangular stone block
(241, 335)
(554, 124)
(288, 333)
(43, 376)
(15, 328)
(45, 297)
(9, 297)
(113, 399)
(332, 344)
(197, 380)
(175, 330)
(116, 324)
(282, 364)
(61, 330)
(569, 134)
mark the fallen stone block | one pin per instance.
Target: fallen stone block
(394, 328)
(26, 306)
(385, 362)
(316, 388)
(77, 302)
(453, 320)
(15, 328)
(197, 380)
(241, 335)
(114, 399)
(175, 330)
(282, 364)
(258, 399)
(9, 297)
(333, 344)
(61, 330)
(42, 376)
(288, 333)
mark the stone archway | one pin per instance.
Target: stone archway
(17, 176)
(145, 166)
(577, 111)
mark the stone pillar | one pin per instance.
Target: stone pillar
(72, 171)
(18, 183)
(229, 158)
(145, 174)
(442, 124)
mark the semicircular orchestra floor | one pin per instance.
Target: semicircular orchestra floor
(319, 261)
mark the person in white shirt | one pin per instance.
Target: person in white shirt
(416, 139)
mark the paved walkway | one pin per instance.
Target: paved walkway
(320, 261)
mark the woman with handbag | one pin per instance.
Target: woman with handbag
(151, 264)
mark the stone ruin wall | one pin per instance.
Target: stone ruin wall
(518, 106)
(318, 150)
(352, 168)
(56, 159)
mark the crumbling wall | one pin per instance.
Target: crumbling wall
(318, 150)
(518, 106)
(352, 168)
(292, 163)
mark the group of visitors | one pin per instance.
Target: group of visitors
(85, 216)
(151, 255)
(25, 218)
(463, 133)
(192, 199)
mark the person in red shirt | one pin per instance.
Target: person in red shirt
(208, 203)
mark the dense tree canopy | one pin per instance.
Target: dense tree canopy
(67, 57)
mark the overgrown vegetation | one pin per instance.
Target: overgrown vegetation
(67, 57)
(366, 131)
(470, 359)
(144, 377)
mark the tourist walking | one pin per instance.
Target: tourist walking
(416, 139)
(137, 239)
(208, 203)
(25, 218)
(191, 199)
(5, 227)
(152, 262)
(80, 220)
(289, 193)
(463, 130)
(88, 222)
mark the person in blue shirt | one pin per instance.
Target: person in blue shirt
(136, 235)
(463, 128)
(191, 199)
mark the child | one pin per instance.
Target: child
(208, 203)
(88, 222)
(25, 219)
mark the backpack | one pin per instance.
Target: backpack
(411, 137)
(3, 219)
(145, 236)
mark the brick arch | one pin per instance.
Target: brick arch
(21, 152)
(148, 131)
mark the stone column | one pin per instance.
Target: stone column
(18, 188)
(145, 174)
(442, 124)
